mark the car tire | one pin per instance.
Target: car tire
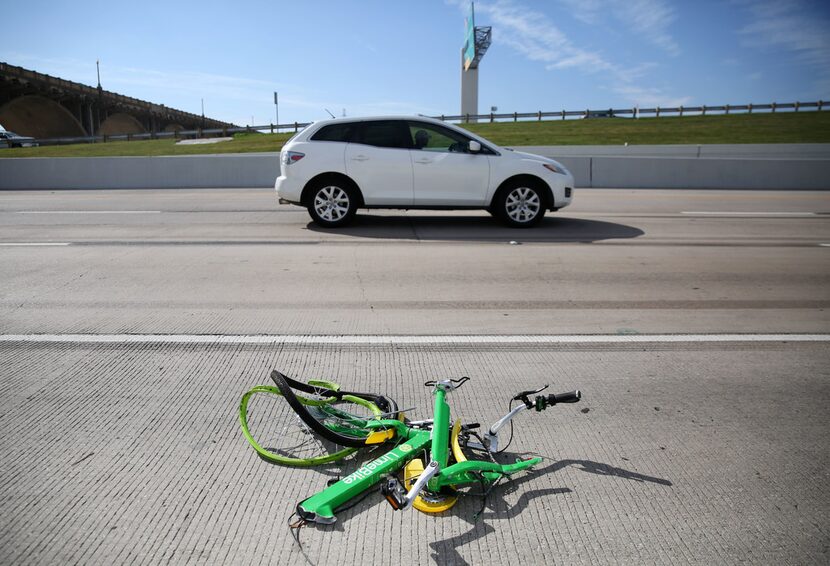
(521, 204)
(332, 203)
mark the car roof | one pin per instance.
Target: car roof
(375, 118)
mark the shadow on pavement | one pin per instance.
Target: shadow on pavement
(479, 229)
(606, 470)
(446, 551)
(469, 506)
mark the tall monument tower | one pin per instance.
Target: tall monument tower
(476, 42)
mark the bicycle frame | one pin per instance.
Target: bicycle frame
(321, 507)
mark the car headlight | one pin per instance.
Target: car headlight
(554, 168)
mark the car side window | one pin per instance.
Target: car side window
(384, 133)
(335, 133)
(431, 137)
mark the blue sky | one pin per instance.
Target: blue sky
(381, 57)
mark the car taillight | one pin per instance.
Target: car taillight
(289, 157)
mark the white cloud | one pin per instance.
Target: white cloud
(587, 11)
(647, 97)
(791, 25)
(648, 19)
(786, 24)
(536, 37)
(651, 18)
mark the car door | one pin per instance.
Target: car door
(445, 172)
(378, 160)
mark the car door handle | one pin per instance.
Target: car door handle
(423, 160)
(360, 158)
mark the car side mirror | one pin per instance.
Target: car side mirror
(474, 146)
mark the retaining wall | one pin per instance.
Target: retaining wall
(766, 166)
(190, 171)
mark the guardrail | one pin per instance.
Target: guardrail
(637, 112)
(467, 118)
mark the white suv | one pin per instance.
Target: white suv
(334, 167)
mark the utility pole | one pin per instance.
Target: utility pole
(277, 105)
(98, 104)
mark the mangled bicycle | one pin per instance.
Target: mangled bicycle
(319, 423)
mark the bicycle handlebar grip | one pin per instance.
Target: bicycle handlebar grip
(569, 397)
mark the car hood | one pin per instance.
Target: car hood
(532, 157)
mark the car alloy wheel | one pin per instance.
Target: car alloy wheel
(522, 205)
(332, 204)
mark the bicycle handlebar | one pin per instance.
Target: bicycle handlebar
(453, 383)
(569, 397)
(524, 394)
(544, 401)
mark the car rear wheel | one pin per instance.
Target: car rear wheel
(332, 204)
(521, 205)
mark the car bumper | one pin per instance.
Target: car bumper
(288, 190)
(562, 189)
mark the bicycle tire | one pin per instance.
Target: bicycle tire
(386, 404)
(289, 441)
(334, 421)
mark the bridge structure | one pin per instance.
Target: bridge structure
(42, 106)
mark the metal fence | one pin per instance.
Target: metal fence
(637, 112)
(470, 118)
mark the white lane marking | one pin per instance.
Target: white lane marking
(35, 243)
(726, 213)
(299, 339)
(825, 245)
(88, 212)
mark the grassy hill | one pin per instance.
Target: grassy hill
(790, 127)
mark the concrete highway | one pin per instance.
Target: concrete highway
(233, 261)
(122, 444)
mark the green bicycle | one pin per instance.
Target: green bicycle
(317, 424)
(437, 456)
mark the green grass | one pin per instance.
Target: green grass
(791, 127)
(801, 127)
(241, 143)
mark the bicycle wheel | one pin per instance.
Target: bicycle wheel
(341, 420)
(283, 437)
(330, 389)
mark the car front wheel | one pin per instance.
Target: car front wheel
(521, 205)
(332, 204)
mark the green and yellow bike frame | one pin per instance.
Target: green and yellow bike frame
(435, 473)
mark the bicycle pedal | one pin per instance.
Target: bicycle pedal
(394, 492)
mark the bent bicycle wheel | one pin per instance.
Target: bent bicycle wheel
(342, 421)
(280, 435)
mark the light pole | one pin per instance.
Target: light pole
(277, 106)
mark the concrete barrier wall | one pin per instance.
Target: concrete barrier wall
(191, 171)
(706, 173)
(757, 151)
(769, 166)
